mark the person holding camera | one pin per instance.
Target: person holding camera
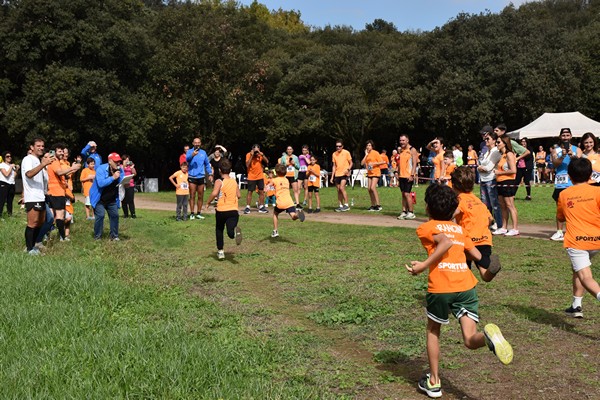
(128, 204)
(255, 177)
(198, 168)
(89, 151)
(8, 173)
(561, 156)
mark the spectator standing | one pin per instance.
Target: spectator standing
(540, 164)
(88, 174)
(407, 162)
(385, 172)
(304, 161)
(8, 173)
(458, 155)
(182, 191)
(437, 147)
(340, 173)
(506, 172)
(104, 196)
(255, 159)
(292, 165)
(129, 199)
(525, 168)
(472, 161)
(589, 150)
(373, 162)
(488, 191)
(90, 151)
(198, 169)
(183, 157)
(218, 155)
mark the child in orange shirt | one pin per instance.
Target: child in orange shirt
(87, 177)
(313, 173)
(270, 190)
(579, 206)
(448, 167)
(283, 200)
(475, 219)
(182, 191)
(451, 285)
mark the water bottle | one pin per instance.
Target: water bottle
(352, 202)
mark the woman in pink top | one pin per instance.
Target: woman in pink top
(127, 203)
(304, 160)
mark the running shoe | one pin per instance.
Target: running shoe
(372, 208)
(378, 208)
(528, 198)
(65, 239)
(495, 266)
(433, 391)
(403, 215)
(192, 216)
(263, 210)
(115, 239)
(512, 232)
(309, 211)
(410, 215)
(318, 210)
(576, 312)
(220, 254)
(558, 236)
(200, 216)
(497, 344)
(247, 210)
(339, 209)
(238, 235)
(500, 231)
(493, 226)
(275, 234)
(299, 206)
(34, 252)
(301, 215)
(345, 208)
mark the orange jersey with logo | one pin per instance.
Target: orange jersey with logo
(270, 187)
(313, 173)
(283, 199)
(228, 200)
(580, 206)
(451, 274)
(85, 174)
(373, 157)
(405, 161)
(474, 217)
(255, 170)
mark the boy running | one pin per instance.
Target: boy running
(475, 219)
(182, 191)
(284, 201)
(226, 214)
(451, 285)
(313, 174)
(579, 206)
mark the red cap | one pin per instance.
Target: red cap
(114, 157)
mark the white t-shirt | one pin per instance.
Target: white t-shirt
(11, 177)
(33, 188)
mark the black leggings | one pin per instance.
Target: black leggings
(526, 175)
(128, 204)
(7, 195)
(229, 218)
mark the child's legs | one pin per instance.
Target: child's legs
(186, 199)
(582, 272)
(180, 200)
(578, 289)
(373, 182)
(318, 199)
(231, 222)
(220, 218)
(588, 282)
(310, 196)
(275, 219)
(472, 339)
(433, 349)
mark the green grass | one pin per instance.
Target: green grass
(325, 311)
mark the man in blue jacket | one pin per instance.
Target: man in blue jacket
(89, 151)
(198, 168)
(104, 196)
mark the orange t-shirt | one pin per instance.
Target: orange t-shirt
(386, 160)
(228, 200)
(580, 206)
(503, 165)
(595, 160)
(342, 161)
(255, 170)
(451, 274)
(86, 185)
(270, 187)
(56, 183)
(472, 157)
(183, 186)
(313, 173)
(437, 164)
(405, 167)
(474, 217)
(68, 178)
(449, 170)
(283, 199)
(373, 157)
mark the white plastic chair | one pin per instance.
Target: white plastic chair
(324, 178)
(242, 180)
(360, 175)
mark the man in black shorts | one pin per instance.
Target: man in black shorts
(255, 176)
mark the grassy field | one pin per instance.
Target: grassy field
(324, 311)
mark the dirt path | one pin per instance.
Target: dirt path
(350, 218)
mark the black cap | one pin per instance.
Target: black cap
(486, 129)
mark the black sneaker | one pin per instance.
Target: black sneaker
(372, 208)
(301, 215)
(318, 210)
(238, 235)
(433, 391)
(576, 312)
(309, 211)
(378, 208)
(299, 206)
(495, 266)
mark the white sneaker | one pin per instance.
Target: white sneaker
(410, 215)
(558, 236)
(494, 226)
(512, 232)
(192, 216)
(403, 215)
(220, 254)
(500, 231)
(275, 234)
(200, 216)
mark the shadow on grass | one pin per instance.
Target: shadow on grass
(277, 239)
(412, 369)
(542, 316)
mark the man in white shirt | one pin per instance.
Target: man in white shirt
(33, 191)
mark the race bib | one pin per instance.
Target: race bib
(596, 176)
(290, 168)
(312, 178)
(184, 186)
(561, 179)
(303, 168)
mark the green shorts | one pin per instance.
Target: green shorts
(460, 303)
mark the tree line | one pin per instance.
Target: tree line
(145, 77)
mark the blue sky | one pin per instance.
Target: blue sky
(405, 14)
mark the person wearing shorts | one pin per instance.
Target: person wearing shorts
(198, 170)
(304, 162)
(292, 165)
(255, 177)
(314, 183)
(87, 177)
(407, 162)
(451, 285)
(373, 162)
(284, 202)
(340, 173)
(579, 206)
(34, 191)
(506, 172)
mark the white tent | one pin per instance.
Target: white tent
(550, 124)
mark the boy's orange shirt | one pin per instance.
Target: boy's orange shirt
(580, 206)
(283, 199)
(228, 200)
(85, 174)
(474, 217)
(449, 170)
(183, 187)
(451, 274)
(270, 187)
(314, 175)
(373, 157)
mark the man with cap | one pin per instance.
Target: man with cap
(89, 151)
(104, 195)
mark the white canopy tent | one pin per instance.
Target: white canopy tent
(550, 124)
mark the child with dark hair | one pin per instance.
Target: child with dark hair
(475, 218)
(283, 200)
(182, 191)
(451, 285)
(579, 207)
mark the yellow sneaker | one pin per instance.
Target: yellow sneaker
(497, 344)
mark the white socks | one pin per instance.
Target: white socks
(577, 301)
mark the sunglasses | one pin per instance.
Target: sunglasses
(338, 147)
(8, 155)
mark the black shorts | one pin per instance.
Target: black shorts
(313, 189)
(259, 183)
(38, 206)
(338, 179)
(486, 252)
(540, 166)
(57, 202)
(291, 179)
(405, 185)
(385, 172)
(288, 210)
(507, 188)
(302, 176)
(196, 181)
(556, 193)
